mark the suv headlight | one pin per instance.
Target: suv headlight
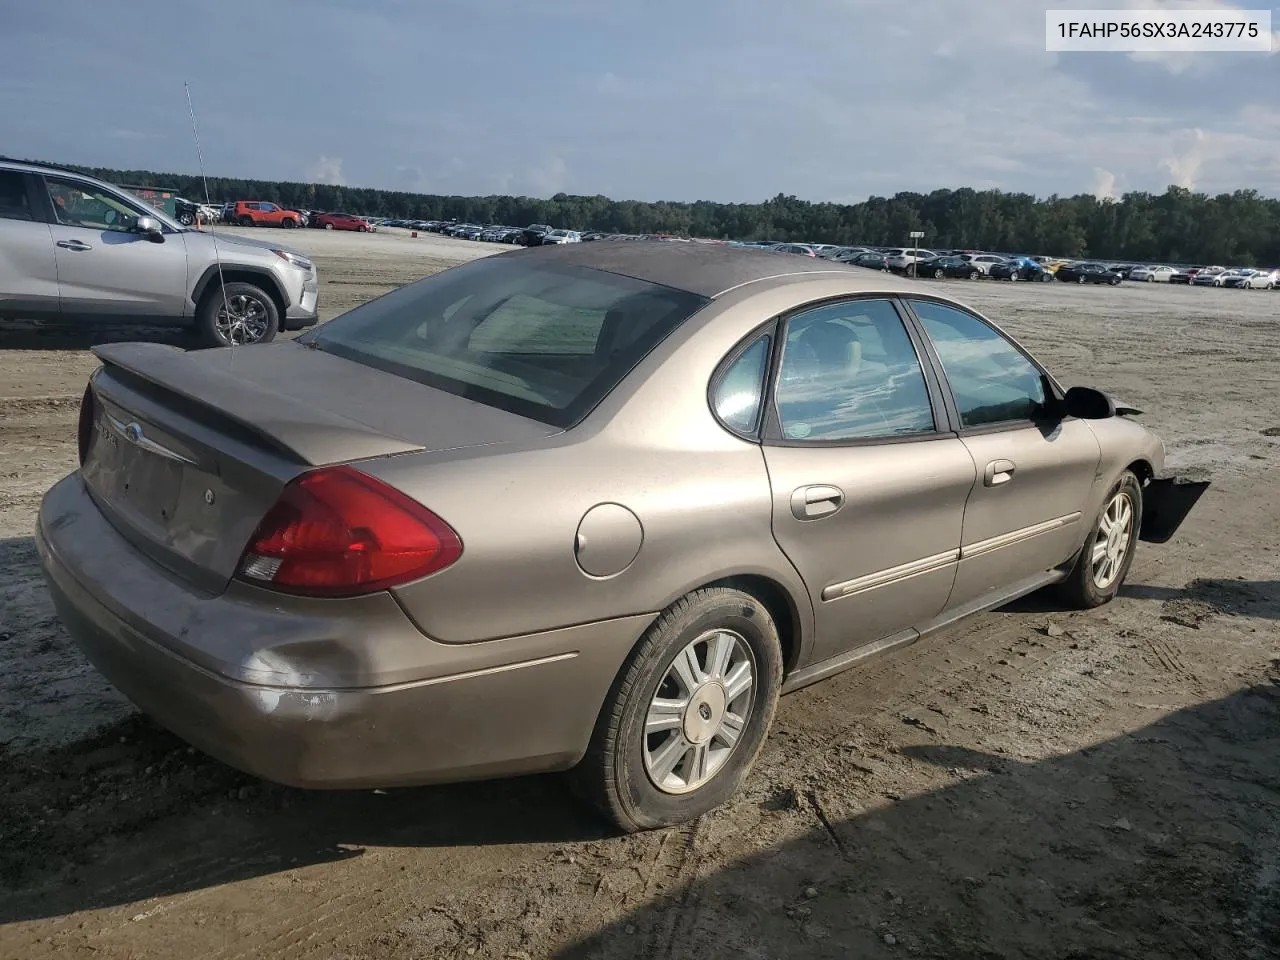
(302, 263)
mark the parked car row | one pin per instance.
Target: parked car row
(975, 265)
(915, 261)
(263, 213)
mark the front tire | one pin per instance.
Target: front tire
(186, 219)
(1104, 561)
(289, 223)
(687, 714)
(243, 314)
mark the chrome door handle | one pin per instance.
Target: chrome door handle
(998, 472)
(816, 502)
(76, 245)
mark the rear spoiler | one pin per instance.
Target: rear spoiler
(298, 430)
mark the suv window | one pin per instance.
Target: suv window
(79, 205)
(991, 379)
(546, 341)
(738, 395)
(850, 372)
(14, 202)
(268, 207)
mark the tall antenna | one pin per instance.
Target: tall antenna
(217, 257)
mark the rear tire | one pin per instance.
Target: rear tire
(245, 221)
(328, 226)
(1084, 588)
(186, 219)
(620, 773)
(258, 316)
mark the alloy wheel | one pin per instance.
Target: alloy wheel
(242, 319)
(699, 711)
(1111, 545)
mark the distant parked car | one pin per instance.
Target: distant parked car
(561, 236)
(1089, 273)
(1020, 268)
(842, 254)
(1209, 277)
(1151, 274)
(800, 249)
(957, 267)
(983, 261)
(260, 213)
(900, 260)
(1263, 280)
(342, 221)
(1184, 275)
(534, 233)
(872, 260)
(1249, 279)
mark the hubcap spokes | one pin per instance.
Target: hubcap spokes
(699, 711)
(1111, 545)
(242, 319)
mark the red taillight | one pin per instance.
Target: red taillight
(337, 532)
(85, 431)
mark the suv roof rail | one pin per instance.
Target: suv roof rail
(47, 166)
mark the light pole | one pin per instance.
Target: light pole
(916, 235)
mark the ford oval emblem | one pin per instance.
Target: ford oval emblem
(134, 432)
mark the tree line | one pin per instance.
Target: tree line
(1178, 226)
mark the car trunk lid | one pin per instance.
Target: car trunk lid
(187, 451)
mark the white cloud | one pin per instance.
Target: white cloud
(1185, 166)
(327, 170)
(1104, 184)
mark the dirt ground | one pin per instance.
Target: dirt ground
(1036, 783)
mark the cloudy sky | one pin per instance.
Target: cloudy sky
(727, 100)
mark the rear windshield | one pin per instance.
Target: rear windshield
(543, 341)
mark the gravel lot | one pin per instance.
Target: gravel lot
(1036, 783)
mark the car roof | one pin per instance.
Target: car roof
(707, 270)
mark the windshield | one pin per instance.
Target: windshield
(544, 341)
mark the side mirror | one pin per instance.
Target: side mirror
(1086, 403)
(150, 228)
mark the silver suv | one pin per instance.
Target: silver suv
(73, 248)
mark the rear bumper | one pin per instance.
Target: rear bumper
(500, 708)
(1166, 503)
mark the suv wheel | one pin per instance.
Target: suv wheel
(688, 713)
(288, 223)
(238, 314)
(245, 221)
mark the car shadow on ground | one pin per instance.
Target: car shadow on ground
(1202, 598)
(50, 335)
(1160, 843)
